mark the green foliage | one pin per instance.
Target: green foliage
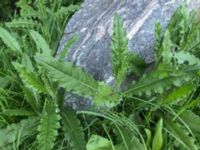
(73, 130)
(29, 79)
(158, 137)
(7, 8)
(124, 128)
(180, 135)
(106, 96)
(158, 41)
(186, 57)
(70, 78)
(9, 40)
(192, 120)
(21, 23)
(16, 112)
(46, 16)
(98, 143)
(71, 41)
(177, 94)
(49, 125)
(25, 129)
(128, 140)
(24, 98)
(41, 43)
(167, 48)
(123, 61)
(119, 50)
(149, 136)
(157, 81)
(33, 84)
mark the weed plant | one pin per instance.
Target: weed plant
(159, 111)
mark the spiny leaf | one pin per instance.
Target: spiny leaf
(167, 48)
(158, 137)
(119, 50)
(71, 41)
(184, 24)
(41, 43)
(106, 96)
(30, 79)
(193, 42)
(27, 62)
(26, 10)
(49, 125)
(73, 130)
(9, 40)
(158, 42)
(184, 29)
(175, 27)
(70, 78)
(159, 80)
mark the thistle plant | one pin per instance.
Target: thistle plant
(158, 111)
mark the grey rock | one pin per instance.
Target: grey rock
(94, 22)
(75, 102)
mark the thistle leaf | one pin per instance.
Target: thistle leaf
(176, 24)
(41, 43)
(9, 40)
(119, 50)
(71, 41)
(192, 43)
(106, 96)
(29, 79)
(73, 130)
(167, 48)
(70, 78)
(49, 124)
(158, 43)
(158, 81)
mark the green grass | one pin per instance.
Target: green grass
(159, 111)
